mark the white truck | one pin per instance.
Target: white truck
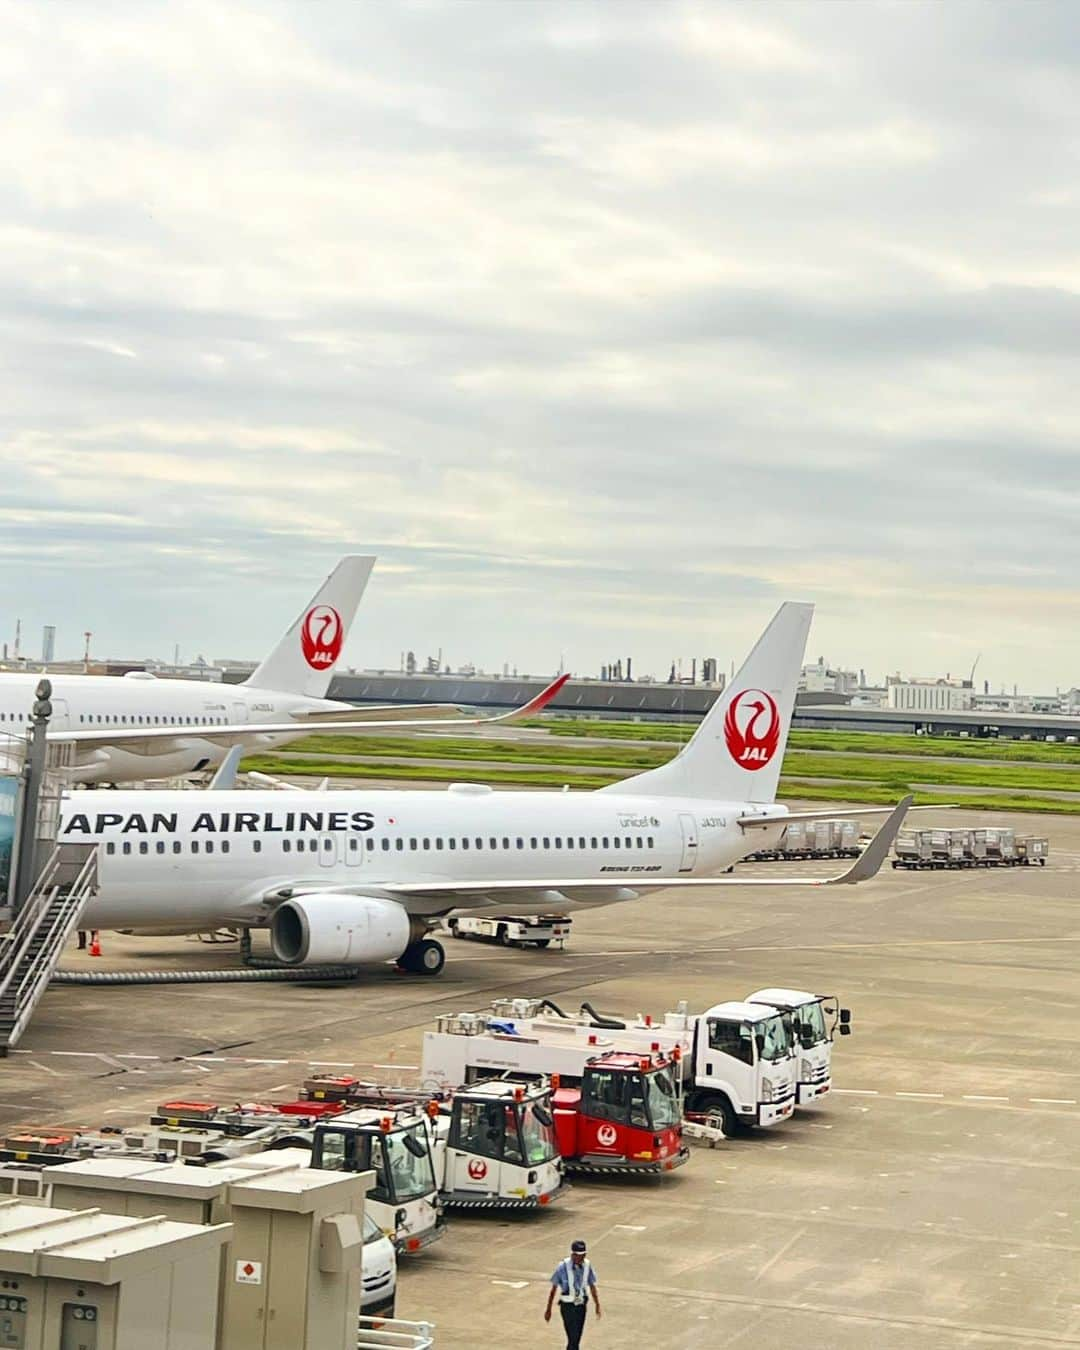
(815, 1020)
(512, 930)
(736, 1060)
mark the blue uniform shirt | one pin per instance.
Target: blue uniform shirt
(566, 1272)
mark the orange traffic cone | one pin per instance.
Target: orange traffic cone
(95, 945)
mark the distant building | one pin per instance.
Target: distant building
(822, 678)
(929, 695)
(48, 643)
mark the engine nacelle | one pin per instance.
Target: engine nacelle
(331, 929)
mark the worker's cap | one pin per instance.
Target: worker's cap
(578, 1247)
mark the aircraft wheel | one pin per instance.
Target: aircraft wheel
(423, 958)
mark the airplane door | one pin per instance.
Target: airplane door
(61, 715)
(353, 849)
(328, 852)
(689, 843)
(239, 713)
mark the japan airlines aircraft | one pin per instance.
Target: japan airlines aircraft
(133, 727)
(352, 877)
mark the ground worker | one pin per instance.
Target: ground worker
(573, 1280)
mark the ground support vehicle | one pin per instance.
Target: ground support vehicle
(513, 930)
(815, 1019)
(493, 1143)
(469, 1046)
(624, 1117)
(734, 1063)
(991, 846)
(396, 1145)
(813, 839)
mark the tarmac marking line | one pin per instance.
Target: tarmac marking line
(857, 1092)
(934, 1095)
(977, 1097)
(1054, 1101)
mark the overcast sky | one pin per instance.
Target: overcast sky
(607, 326)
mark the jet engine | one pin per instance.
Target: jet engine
(328, 928)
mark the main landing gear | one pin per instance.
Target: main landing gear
(426, 957)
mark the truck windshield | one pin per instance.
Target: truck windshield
(662, 1099)
(774, 1038)
(810, 1017)
(407, 1177)
(537, 1139)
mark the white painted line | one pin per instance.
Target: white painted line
(328, 1064)
(198, 1059)
(396, 1066)
(975, 1097)
(138, 1056)
(858, 1092)
(77, 1054)
(630, 1227)
(921, 1094)
(264, 1061)
(1054, 1101)
(513, 1284)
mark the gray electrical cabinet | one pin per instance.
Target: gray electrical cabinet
(85, 1280)
(290, 1277)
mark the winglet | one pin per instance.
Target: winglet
(535, 705)
(869, 862)
(225, 778)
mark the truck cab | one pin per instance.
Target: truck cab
(404, 1200)
(625, 1116)
(742, 1066)
(500, 1148)
(815, 1020)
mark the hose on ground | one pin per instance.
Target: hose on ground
(288, 974)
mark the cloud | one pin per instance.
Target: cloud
(608, 325)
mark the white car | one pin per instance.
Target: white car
(379, 1272)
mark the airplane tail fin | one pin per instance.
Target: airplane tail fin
(304, 659)
(736, 753)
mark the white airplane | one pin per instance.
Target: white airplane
(133, 727)
(353, 877)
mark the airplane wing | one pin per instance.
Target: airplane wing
(379, 712)
(158, 739)
(442, 896)
(763, 822)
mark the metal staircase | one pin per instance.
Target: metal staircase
(32, 946)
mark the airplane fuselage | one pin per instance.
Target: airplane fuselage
(184, 860)
(95, 702)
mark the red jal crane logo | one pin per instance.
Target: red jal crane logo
(752, 728)
(321, 636)
(477, 1169)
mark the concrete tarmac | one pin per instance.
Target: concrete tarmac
(932, 1200)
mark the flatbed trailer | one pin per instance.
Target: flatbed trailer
(512, 930)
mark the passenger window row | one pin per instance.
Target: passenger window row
(579, 844)
(148, 721)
